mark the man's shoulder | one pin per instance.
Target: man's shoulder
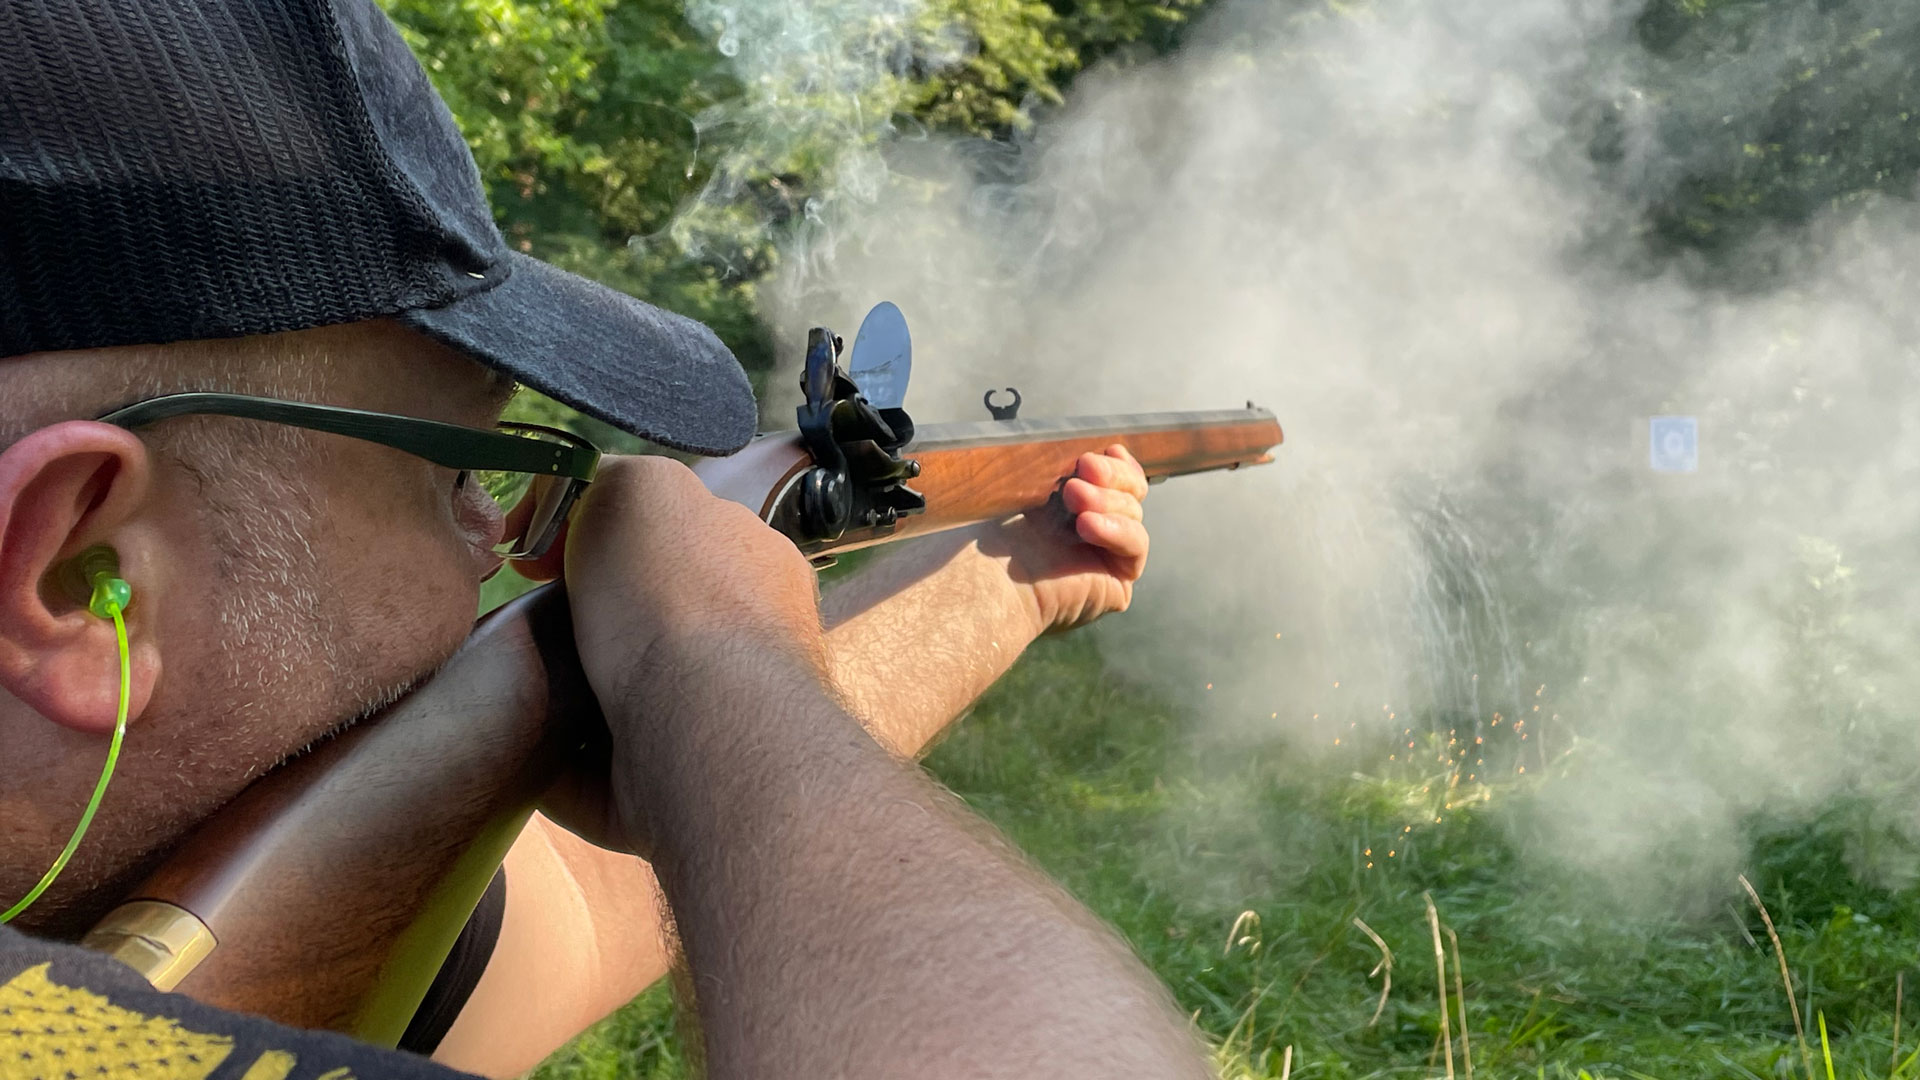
(68, 1013)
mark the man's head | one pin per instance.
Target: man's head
(286, 581)
(266, 197)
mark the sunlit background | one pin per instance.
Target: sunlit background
(1478, 635)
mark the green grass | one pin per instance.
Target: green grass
(1237, 872)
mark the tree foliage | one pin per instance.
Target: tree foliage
(599, 124)
(1767, 112)
(631, 140)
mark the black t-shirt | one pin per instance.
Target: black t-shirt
(69, 1014)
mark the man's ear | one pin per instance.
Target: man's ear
(63, 489)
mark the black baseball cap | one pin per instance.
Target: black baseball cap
(180, 169)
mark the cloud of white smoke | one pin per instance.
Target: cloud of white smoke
(1386, 226)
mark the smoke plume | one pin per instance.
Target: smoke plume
(1387, 223)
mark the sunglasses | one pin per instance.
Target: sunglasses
(534, 473)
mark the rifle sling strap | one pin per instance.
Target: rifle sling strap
(461, 972)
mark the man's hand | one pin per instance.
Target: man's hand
(653, 560)
(914, 637)
(677, 596)
(925, 628)
(1082, 564)
(833, 904)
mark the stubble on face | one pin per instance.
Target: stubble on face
(322, 619)
(293, 662)
(280, 607)
(305, 627)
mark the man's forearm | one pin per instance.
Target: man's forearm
(914, 637)
(834, 907)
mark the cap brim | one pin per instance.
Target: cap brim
(661, 376)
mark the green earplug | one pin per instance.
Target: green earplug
(111, 595)
(95, 570)
(108, 593)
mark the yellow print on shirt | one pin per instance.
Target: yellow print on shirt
(54, 1032)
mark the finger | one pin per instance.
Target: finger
(1124, 540)
(1136, 475)
(550, 566)
(1110, 471)
(1080, 497)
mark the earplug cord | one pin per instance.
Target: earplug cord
(106, 773)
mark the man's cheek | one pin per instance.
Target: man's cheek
(415, 609)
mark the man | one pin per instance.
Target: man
(265, 198)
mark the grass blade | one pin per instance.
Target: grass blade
(1384, 969)
(1786, 979)
(1440, 971)
(1460, 1002)
(1826, 1052)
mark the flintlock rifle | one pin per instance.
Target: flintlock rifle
(328, 894)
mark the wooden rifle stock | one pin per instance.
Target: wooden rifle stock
(330, 891)
(994, 469)
(328, 894)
